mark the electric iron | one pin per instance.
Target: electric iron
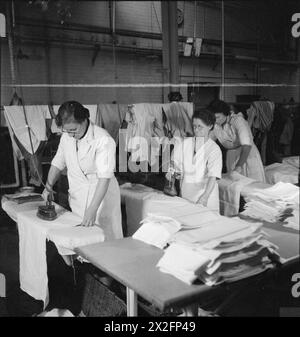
(47, 212)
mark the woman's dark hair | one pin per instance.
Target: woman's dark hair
(71, 110)
(218, 106)
(206, 116)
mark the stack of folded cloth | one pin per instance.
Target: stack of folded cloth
(225, 251)
(272, 204)
(157, 230)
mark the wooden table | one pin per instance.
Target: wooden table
(133, 263)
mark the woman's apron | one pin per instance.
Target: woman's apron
(81, 192)
(194, 179)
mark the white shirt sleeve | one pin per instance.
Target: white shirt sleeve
(242, 130)
(106, 157)
(59, 158)
(214, 163)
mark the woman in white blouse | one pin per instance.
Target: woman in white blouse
(198, 161)
(88, 153)
(234, 133)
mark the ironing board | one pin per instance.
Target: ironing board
(62, 231)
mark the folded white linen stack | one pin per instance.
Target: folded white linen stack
(284, 172)
(273, 204)
(157, 230)
(293, 161)
(226, 253)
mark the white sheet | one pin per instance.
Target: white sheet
(282, 172)
(140, 200)
(67, 239)
(157, 230)
(33, 233)
(36, 119)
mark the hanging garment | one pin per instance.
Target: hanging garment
(15, 147)
(15, 101)
(260, 115)
(34, 162)
(140, 119)
(36, 118)
(179, 118)
(110, 117)
(86, 160)
(7, 171)
(286, 137)
(234, 133)
(260, 118)
(197, 167)
(151, 122)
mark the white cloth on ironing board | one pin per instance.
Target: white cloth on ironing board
(33, 233)
(67, 239)
(32, 250)
(36, 124)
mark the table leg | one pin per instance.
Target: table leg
(131, 298)
(191, 310)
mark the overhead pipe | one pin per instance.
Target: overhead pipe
(147, 51)
(131, 33)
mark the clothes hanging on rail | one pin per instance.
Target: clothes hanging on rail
(36, 119)
(110, 117)
(260, 118)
